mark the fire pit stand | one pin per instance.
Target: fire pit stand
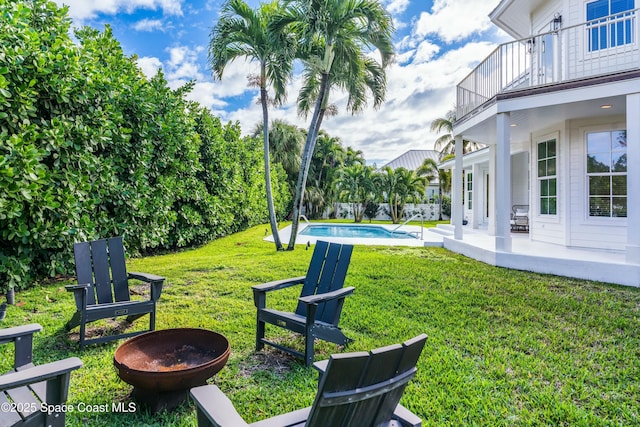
(164, 365)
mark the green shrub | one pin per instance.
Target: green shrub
(91, 148)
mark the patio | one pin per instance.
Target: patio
(529, 255)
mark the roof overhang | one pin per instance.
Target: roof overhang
(514, 16)
(473, 157)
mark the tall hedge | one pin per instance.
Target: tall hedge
(91, 148)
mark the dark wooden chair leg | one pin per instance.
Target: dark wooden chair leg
(259, 334)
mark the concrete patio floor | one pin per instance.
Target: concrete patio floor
(592, 264)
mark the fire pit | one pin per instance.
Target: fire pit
(163, 365)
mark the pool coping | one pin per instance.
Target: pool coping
(430, 238)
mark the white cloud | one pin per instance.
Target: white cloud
(87, 9)
(397, 6)
(425, 52)
(149, 25)
(183, 64)
(206, 93)
(454, 20)
(234, 78)
(149, 65)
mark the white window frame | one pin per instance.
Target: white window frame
(609, 174)
(606, 22)
(584, 180)
(538, 196)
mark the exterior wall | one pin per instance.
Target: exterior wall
(578, 62)
(572, 225)
(520, 179)
(603, 233)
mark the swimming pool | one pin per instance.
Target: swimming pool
(361, 234)
(354, 231)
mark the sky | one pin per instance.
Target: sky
(437, 44)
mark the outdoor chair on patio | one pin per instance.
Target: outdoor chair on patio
(520, 218)
(28, 389)
(355, 389)
(102, 291)
(320, 303)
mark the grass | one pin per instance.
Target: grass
(505, 348)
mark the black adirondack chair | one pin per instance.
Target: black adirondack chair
(320, 304)
(355, 389)
(102, 291)
(29, 388)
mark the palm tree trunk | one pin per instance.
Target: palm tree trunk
(267, 169)
(307, 154)
(439, 201)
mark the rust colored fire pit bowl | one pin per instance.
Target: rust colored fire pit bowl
(163, 365)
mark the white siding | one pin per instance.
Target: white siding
(520, 178)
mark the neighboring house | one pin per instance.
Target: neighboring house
(412, 160)
(559, 111)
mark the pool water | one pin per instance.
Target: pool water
(357, 231)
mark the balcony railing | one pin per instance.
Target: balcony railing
(604, 46)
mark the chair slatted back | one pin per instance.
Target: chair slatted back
(101, 264)
(364, 388)
(327, 272)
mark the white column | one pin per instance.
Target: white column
(633, 179)
(457, 208)
(503, 183)
(491, 230)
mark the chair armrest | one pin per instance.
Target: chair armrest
(216, 407)
(406, 417)
(260, 291)
(278, 284)
(315, 299)
(22, 338)
(145, 277)
(321, 366)
(39, 373)
(154, 281)
(10, 334)
(73, 288)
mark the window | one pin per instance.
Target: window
(547, 180)
(469, 191)
(607, 173)
(610, 23)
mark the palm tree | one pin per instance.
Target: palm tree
(445, 144)
(355, 185)
(334, 36)
(400, 186)
(327, 160)
(429, 170)
(354, 157)
(244, 32)
(285, 147)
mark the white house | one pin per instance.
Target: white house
(559, 111)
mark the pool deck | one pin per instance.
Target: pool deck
(429, 238)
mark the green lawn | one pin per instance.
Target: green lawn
(505, 348)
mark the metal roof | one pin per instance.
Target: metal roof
(413, 159)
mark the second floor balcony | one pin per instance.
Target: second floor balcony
(600, 47)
